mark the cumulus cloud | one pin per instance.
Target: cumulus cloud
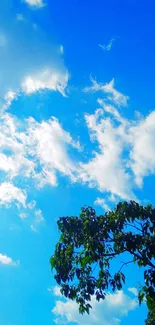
(6, 260)
(35, 3)
(113, 94)
(108, 46)
(107, 312)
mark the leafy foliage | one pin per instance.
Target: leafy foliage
(150, 318)
(151, 314)
(88, 245)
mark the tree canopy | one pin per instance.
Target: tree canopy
(88, 245)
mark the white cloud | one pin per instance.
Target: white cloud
(23, 215)
(48, 143)
(36, 151)
(35, 3)
(13, 160)
(39, 216)
(134, 291)
(102, 202)
(42, 150)
(5, 260)
(56, 291)
(107, 47)
(42, 146)
(107, 170)
(10, 193)
(9, 97)
(15, 165)
(107, 312)
(48, 79)
(113, 95)
(142, 155)
(112, 198)
(31, 205)
(110, 109)
(34, 54)
(124, 151)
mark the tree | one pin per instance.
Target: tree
(151, 315)
(89, 243)
(150, 318)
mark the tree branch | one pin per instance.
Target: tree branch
(113, 254)
(124, 264)
(133, 227)
(142, 258)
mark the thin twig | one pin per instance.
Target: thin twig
(124, 264)
(133, 227)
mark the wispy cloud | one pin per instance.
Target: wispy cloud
(103, 203)
(108, 46)
(37, 221)
(113, 95)
(134, 291)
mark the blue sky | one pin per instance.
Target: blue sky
(77, 126)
